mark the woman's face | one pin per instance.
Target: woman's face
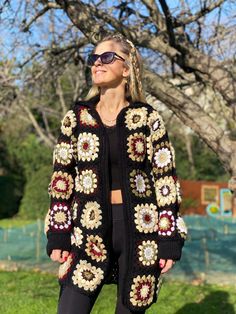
(109, 75)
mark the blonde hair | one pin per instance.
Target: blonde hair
(134, 87)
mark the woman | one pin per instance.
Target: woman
(114, 214)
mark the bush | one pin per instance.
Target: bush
(30, 166)
(35, 201)
(188, 203)
(8, 197)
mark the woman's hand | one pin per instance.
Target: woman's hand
(59, 256)
(166, 265)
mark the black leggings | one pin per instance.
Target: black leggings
(73, 302)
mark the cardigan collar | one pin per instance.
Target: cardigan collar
(91, 103)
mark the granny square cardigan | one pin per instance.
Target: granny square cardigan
(79, 219)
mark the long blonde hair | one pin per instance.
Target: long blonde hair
(134, 87)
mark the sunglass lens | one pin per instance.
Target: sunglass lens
(107, 57)
(92, 59)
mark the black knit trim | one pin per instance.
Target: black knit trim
(58, 241)
(170, 249)
(92, 102)
(89, 103)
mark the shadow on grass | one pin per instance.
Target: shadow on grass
(215, 303)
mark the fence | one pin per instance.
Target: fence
(24, 247)
(209, 253)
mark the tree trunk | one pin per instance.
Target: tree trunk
(188, 144)
(192, 115)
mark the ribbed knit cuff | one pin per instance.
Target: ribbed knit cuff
(58, 241)
(170, 249)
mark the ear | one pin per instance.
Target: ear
(126, 71)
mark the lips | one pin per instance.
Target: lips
(99, 71)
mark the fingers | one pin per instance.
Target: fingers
(56, 256)
(162, 262)
(166, 265)
(59, 256)
(65, 254)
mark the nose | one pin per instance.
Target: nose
(98, 62)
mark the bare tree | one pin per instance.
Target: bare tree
(37, 73)
(189, 50)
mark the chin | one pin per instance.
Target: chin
(102, 84)
(107, 84)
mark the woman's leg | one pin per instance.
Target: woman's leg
(118, 237)
(74, 302)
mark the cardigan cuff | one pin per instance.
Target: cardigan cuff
(170, 249)
(58, 241)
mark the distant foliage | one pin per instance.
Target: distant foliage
(36, 162)
(8, 197)
(35, 201)
(25, 190)
(206, 163)
(32, 155)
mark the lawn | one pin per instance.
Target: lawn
(30, 293)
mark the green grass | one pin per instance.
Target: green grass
(35, 293)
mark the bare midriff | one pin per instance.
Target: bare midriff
(116, 197)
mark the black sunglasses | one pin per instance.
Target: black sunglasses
(106, 58)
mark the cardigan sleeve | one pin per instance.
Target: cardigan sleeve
(171, 227)
(61, 187)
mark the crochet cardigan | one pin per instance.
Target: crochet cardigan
(79, 218)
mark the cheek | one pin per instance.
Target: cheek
(92, 71)
(117, 71)
(93, 74)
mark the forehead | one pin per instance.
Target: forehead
(107, 46)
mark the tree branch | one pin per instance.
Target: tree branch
(49, 133)
(169, 22)
(155, 14)
(35, 124)
(60, 94)
(222, 79)
(47, 7)
(81, 16)
(8, 110)
(193, 18)
(57, 50)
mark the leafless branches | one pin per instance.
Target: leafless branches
(202, 12)
(46, 8)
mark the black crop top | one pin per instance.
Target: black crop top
(114, 166)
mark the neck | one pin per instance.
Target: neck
(112, 100)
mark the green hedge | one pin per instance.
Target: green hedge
(35, 201)
(8, 197)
